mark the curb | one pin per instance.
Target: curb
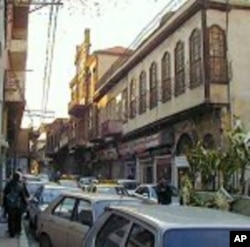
(23, 239)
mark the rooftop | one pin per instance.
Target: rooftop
(116, 50)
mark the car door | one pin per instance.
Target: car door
(80, 224)
(59, 220)
(34, 203)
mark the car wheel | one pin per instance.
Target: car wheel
(45, 241)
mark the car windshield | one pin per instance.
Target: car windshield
(100, 206)
(154, 194)
(197, 237)
(50, 194)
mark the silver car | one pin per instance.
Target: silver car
(68, 218)
(172, 226)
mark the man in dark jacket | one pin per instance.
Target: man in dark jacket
(15, 201)
(164, 192)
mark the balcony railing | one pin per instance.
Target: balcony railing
(111, 128)
(76, 108)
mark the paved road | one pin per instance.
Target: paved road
(30, 235)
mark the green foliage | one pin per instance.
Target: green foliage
(221, 164)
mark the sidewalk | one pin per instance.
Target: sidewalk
(6, 241)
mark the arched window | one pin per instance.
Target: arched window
(153, 84)
(208, 141)
(195, 58)
(143, 93)
(132, 112)
(166, 77)
(217, 55)
(179, 69)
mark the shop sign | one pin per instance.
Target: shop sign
(140, 145)
(181, 161)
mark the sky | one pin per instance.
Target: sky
(110, 25)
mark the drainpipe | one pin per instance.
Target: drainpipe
(2, 78)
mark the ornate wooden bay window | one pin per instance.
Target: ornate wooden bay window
(179, 69)
(143, 93)
(166, 77)
(153, 86)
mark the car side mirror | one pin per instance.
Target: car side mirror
(145, 195)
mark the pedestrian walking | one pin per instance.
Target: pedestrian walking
(164, 191)
(15, 201)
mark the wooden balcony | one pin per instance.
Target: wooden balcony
(76, 108)
(14, 91)
(111, 128)
(18, 54)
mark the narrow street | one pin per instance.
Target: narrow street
(30, 235)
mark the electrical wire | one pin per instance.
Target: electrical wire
(47, 57)
(51, 58)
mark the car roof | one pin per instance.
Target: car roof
(94, 197)
(167, 217)
(54, 186)
(108, 185)
(126, 181)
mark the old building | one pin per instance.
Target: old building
(16, 30)
(184, 83)
(76, 148)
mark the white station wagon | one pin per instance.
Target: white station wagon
(164, 226)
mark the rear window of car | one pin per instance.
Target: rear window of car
(99, 207)
(197, 237)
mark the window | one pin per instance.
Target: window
(166, 77)
(217, 55)
(153, 86)
(143, 93)
(132, 90)
(65, 208)
(113, 232)
(179, 69)
(83, 213)
(140, 237)
(125, 104)
(143, 191)
(118, 115)
(195, 58)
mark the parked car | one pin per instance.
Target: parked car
(113, 189)
(68, 218)
(41, 199)
(129, 184)
(86, 181)
(172, 226)
(68, 183)
(149, 191)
